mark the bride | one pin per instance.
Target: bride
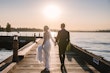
(46, 47)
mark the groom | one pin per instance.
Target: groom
(62, 39)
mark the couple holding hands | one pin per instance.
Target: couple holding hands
(62, 40)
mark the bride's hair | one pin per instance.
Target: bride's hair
(46, 28)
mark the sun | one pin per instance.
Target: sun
(51, 11)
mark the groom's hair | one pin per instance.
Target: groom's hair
(63, 25)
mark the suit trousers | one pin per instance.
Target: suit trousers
(62, 49)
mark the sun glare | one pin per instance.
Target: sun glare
(51, 11)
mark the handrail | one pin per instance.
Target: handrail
(93, 55)
(96, 61)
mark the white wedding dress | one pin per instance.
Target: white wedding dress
(46, 49)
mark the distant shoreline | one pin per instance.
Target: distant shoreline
(56, 31)
(41, 30)
(89, 31)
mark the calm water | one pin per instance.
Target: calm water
(97, 43)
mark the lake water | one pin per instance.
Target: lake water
(95, 42)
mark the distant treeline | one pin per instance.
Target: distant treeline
(103, 31)
(21, 29)
(35, 29)
(9, 29)
(26, 29)
(90, 31)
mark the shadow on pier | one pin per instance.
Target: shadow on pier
(79, 60)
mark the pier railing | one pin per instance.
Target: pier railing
(96, 61)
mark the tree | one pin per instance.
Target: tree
(1, 28)
(8, 27)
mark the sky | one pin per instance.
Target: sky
(76, 14)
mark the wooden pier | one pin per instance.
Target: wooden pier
(73, 63)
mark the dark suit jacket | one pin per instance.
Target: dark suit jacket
(63, 39)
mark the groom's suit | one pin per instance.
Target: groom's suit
(63, 39)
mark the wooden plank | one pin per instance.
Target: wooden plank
(2, 64)
(26, 50)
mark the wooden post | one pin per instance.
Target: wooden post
(15, 48)
(39, 34)
(34, 37)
